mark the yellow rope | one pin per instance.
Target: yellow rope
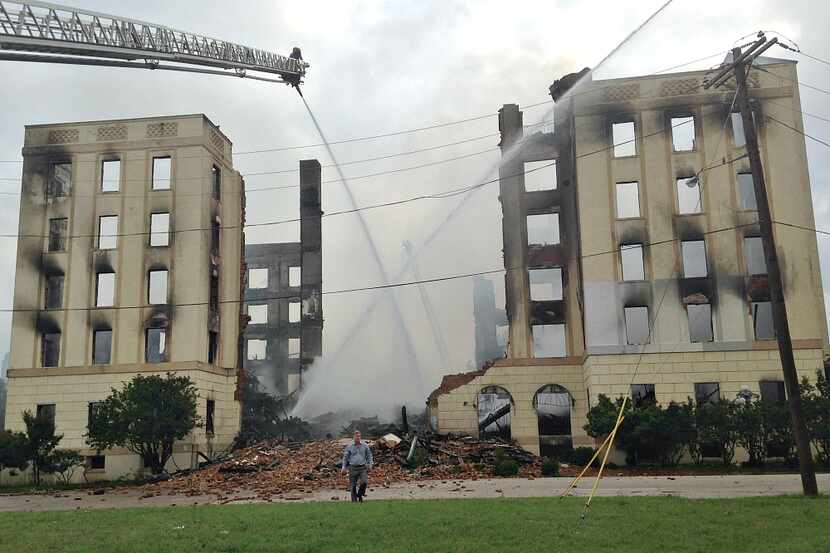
(573, 483)
(606, 445)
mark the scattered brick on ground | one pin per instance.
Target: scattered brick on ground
(275, 469)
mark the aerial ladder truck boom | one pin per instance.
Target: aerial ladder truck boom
(50, 33)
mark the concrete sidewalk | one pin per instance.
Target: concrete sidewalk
(629, 486)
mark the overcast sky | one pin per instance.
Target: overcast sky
(378, 67)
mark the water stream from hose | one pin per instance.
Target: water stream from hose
(410, 355)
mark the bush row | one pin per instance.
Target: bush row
(656, 434)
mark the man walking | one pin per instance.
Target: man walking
(357, 460)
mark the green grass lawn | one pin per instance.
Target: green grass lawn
(616, 525)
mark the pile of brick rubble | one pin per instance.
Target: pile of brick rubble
(274, 469)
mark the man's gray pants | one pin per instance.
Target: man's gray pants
(358, 480)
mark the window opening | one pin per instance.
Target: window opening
(549, 340)
(628, 200)
(773, 390)
(540, 175)
(694, 258)
(157, 288)
(738, 136)
(105, 289)
(210, 412)
(545, 284)
(159, 229)
(216, 182)
(258, 314)
(625, 143)
(156, 345)
(47, 411)
(258, 278)
(293, 348)
(553, 411)
(762, 320)
(707, 393)
(57, 234)
(543, 229)
(256, 349)
(110, 175)
(161, 173)
(101, 347)
(643, 395)
(683, 133)
(108, 232)
(60, 180)
(50, 349)
(294, 276)
(756, 263)
(746, 192)
(54, 291)
(294, 312)
(631, 259)
(688, 196)
(700, 322)
(494, 404)
(636, 325)
(213, 346)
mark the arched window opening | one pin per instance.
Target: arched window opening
(494, 405)
(553, 405)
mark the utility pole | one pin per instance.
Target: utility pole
(741, 62)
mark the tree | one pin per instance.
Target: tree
(13, 450)
(63, 463)
(41, 442)
(265, 416)
(147, 416)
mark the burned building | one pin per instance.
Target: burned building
(128, 263)
(490, 323)
(283, 297)
(632, 254)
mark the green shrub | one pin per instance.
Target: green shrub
(550, 467)
(582, 456)
(508, 467)
(751, 431)
(716, 428)
(816, 400)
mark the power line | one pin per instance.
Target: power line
(795, 48)
(440, 195)
(285, 187)
(806, 55)
(383, 135)
(820, 141)
(704, 58)
(802, 83)
(386, 286)
(388, 156)
(433, 126)
(327, 165)
(796, 110)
